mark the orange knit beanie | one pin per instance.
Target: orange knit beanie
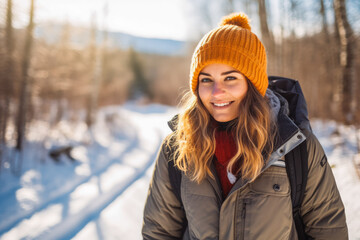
(234, 44)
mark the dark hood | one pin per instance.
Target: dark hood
(290, 90)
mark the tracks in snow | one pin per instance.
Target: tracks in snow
(73, 223)
(71, 210)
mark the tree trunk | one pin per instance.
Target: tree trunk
(64, 75)
(94, 66)
(98, 61)
(266, 34)
(327, 67)
(8, 77)
(9, 68)
(21, 118)
(324, 20)
(346, 85)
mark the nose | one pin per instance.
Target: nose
(218, 89)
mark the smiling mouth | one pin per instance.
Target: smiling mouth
(222, 104)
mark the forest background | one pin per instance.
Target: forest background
(60, 70)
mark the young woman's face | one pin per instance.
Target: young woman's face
(221, 89)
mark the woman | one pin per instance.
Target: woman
(226, 145)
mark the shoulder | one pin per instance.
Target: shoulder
(165, 152)
(162, 160)
(315, 151)
(312, 140)
(168, 145)
(313, 143)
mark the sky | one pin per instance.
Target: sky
(169, 19)
(146, 18)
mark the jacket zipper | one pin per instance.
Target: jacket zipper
(244, 210)
(243, 216)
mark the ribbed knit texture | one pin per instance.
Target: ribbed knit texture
(234, 44)
(225, 150)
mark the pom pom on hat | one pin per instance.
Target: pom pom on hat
(239, 19)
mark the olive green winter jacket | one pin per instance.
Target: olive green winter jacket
(258, 210)
(254, 210)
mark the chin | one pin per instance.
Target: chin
(223, 118)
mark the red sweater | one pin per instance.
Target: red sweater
(225, 150)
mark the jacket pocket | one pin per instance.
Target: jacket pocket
(272, 182)
(202, 209)
(267, 207)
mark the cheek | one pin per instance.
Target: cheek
(239, 92)
(203, 94)
(205, 98)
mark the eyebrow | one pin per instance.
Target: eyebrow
(224, 73)
(231, 71)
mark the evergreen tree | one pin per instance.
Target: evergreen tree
(139, 86)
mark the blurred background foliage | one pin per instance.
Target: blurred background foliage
(55, 71)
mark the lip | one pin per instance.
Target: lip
(228, 103)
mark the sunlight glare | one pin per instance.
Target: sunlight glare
(83, 195)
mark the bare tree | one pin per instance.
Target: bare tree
(98, 62)
(346, 84)
(65, 68)
(325, 44)
(104, 49)
(266, 34)
(25, 65)
(325, 29)
(90, 105)
(7, 84)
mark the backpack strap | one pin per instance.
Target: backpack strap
(174, 172)
(175, 180)
(297, 171)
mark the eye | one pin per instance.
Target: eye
(205, 80)
(228, 78)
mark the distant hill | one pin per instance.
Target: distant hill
(80, 37)
(148, 45)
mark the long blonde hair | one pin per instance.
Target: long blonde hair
(195, 143)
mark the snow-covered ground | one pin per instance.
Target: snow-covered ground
(101, 195)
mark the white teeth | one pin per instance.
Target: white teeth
(221, 104)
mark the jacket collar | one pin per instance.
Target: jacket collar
(289, 137)
(287, 129)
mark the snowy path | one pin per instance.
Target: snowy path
(64, 192)
(127, 208)
(106, 192)
(69, 208)
(102, 195)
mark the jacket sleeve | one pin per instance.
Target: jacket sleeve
(163, 215)
(322, 209)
